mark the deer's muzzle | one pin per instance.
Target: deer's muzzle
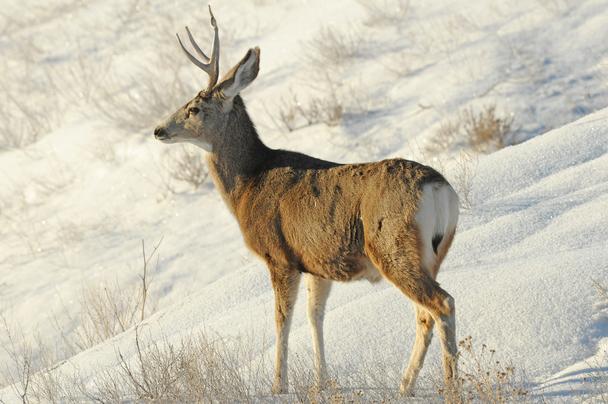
(160, 133)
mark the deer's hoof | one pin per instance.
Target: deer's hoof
(406, 389)
(278, 389)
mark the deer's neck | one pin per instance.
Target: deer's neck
(237, 157)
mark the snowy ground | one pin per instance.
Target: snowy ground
(75, 204)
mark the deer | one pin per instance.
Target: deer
(323, 221)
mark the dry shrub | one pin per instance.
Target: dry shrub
(105, 312)
(464, 174)
(185, 163)
(23, 122)
(28, 374)
(385, 12)
(295, 115)
(209, 368)
(196, 369)
(138, 103)
(333, 47)
(484, 378)
(486, 131)
(22, 358)
(108, 310)
(29, 102)
(86, 76)
(402, 64)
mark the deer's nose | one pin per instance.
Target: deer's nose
(159, 133)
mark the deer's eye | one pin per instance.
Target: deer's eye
(192, 111)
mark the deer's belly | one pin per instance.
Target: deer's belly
(343, 268)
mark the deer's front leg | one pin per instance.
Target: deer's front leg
(318, 291)
(285, 284)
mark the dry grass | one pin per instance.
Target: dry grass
(485, 130)
(199, 369)
(482, 377)
(210, 368)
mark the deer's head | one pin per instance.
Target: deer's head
(204, 117)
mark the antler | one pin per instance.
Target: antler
(211, 67)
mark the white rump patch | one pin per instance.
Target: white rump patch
(437, 215)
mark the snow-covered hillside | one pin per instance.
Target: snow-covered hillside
(76, 203)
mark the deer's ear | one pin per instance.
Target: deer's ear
(241, 75)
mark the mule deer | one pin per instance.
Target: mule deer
(331, 222)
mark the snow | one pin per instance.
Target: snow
(75, 205)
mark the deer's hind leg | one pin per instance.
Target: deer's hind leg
(424, 334)
(398, 259)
